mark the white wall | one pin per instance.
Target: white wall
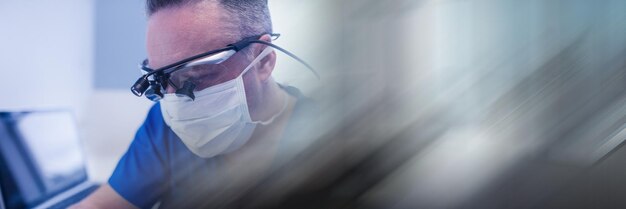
(306, 34)
(45, 54)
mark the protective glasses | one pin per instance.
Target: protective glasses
(195, 73)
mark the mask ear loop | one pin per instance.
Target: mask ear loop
(262, 55)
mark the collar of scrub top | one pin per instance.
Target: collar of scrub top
(152, 78)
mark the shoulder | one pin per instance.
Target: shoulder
(154, 119)
(301, 129)
(304, 113)
(154, 114)
(154, 130)
(141, 174)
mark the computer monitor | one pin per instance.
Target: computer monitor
(41, 150)
(1, 199)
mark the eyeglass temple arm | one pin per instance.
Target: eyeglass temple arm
(284, 51)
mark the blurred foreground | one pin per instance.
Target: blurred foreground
(466, 104)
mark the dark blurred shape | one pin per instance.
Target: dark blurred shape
(468, 104)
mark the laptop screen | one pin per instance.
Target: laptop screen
(1, 200)
(44, 154)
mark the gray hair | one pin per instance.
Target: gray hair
(253, 16)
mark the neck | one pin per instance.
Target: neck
(272, 102)
(273, 106)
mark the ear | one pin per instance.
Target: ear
(266, 65)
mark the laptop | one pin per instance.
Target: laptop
(41, 163)
(1, 202)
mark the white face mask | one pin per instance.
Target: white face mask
(217, 121)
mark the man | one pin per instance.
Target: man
(205, 149)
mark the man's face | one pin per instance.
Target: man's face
(180, 32)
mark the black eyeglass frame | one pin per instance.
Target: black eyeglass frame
(153, 79)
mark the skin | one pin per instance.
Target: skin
(180, 32)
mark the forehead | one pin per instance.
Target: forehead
(179, 32)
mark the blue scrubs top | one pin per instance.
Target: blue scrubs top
(159, 167)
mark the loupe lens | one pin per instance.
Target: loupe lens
(154, 94)
(140, 86)
(202, 76)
